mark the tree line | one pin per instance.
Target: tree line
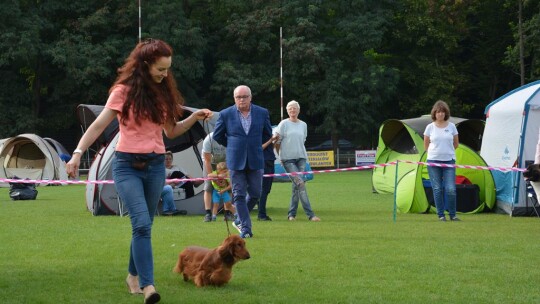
(351, 64)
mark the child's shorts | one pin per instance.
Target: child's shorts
(218, 198)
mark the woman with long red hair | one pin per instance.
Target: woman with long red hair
(145, 100)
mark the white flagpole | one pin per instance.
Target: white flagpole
(281, 66)
(140, 21)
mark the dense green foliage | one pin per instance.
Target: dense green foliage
(351, 64)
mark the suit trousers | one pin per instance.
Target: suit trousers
(245, 182)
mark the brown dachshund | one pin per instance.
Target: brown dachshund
(211, 266)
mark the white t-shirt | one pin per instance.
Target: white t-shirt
(441, 146)
(213, 147)
(170, 170)
(292, 136)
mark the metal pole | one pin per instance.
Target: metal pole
(140, 25)
(281, 66)
(337, 156)
(395, 190)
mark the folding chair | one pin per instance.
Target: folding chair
(532, 197)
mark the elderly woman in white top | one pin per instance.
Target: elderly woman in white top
(292, 134)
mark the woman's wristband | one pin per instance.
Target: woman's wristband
(77, 151)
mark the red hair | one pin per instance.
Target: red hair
(160, 103)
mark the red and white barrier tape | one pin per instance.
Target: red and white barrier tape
(464, 166)
(79, 182)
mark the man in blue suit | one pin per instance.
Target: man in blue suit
(242, 129)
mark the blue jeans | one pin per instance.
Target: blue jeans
(245, 182)
(167, 199)
(443, 183)
(266, 187)
(140, 191)
(298, 187)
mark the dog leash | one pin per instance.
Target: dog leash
(227, 224)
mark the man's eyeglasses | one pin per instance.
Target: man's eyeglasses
(241, 97)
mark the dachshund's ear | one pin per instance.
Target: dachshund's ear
(226, 250)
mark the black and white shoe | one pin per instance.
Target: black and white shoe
(236, 224)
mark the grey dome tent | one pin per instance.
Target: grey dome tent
(102, 199)
(86, 115)
(60, 149)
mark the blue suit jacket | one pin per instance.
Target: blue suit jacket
(244, 151)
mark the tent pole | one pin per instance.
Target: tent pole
(395, 190)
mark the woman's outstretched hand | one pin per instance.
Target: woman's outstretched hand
(203, 114)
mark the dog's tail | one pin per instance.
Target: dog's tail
(179, 267)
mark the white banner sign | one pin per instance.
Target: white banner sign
(365, 157)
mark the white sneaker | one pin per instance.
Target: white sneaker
(237, 226)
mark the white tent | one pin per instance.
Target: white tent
(102, 199)
(2, 141)
(509, 140)
(30, 156)
(60, 149)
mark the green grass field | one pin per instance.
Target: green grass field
(54, 251)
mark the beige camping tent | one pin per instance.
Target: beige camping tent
(30, 156)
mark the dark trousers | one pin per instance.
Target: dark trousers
(266, 187)
(245, 183)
